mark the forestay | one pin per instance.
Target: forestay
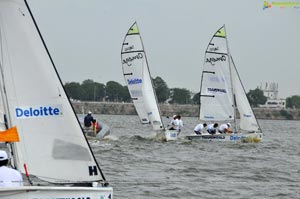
(52, 144)
(138, 78)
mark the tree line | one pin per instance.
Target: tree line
(113, 91)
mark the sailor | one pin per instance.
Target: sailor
(212, 128)
(224, 128)
(88, 119)
(8, 177)
(174, 122)
(179, 123)
(199, 128)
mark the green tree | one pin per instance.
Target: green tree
(125, 95)
(88, 90)
(99, 91)
(114, 91)
(256, 97)
(161, 89)
(180, 96)
(73, 90)
(196, 98)
(293, 101)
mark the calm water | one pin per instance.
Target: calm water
(138, 166)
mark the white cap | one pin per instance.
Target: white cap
(3, 155)
(89, 112)
(174, 116)
(228, 124)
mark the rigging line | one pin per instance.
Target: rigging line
(136, 51)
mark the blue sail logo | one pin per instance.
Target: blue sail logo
(38, 111)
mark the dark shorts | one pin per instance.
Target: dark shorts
(212, 131)
(198, 132)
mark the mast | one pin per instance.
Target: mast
(6, 115)
(231, 82)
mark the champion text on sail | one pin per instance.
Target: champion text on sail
(128, 60)
(211, 60)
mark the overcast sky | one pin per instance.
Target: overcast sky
(84, 38)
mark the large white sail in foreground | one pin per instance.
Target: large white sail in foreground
(52, 145)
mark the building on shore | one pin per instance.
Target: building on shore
(271, 92)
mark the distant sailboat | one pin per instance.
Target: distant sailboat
(139, 82)
(52, 150)
(222, 93)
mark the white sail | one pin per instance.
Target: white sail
(221, 88)
(248, 121)
(138, 78)
(216, 101)
(52, 144)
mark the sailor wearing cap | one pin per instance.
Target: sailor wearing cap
(88, 119)
(8, 177)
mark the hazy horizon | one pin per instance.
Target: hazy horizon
(85, 37)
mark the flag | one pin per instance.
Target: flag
(9, 135)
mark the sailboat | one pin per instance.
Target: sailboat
(52, 153)
(138, 79)
(222, 95)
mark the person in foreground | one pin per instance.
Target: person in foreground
(88, 120)
(8, 177)
(212, 128)
(224, 128)
(199, 128)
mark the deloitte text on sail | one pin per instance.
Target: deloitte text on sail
(43, 111)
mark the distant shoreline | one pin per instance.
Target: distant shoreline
(188, 110)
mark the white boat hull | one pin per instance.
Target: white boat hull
(171, 135)
(39, 192)
(237, 137)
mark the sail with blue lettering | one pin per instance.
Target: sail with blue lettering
(222, 95)
(216, 97)
(52, 146)
(138, 79)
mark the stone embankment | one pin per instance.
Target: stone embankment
(112, 108)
